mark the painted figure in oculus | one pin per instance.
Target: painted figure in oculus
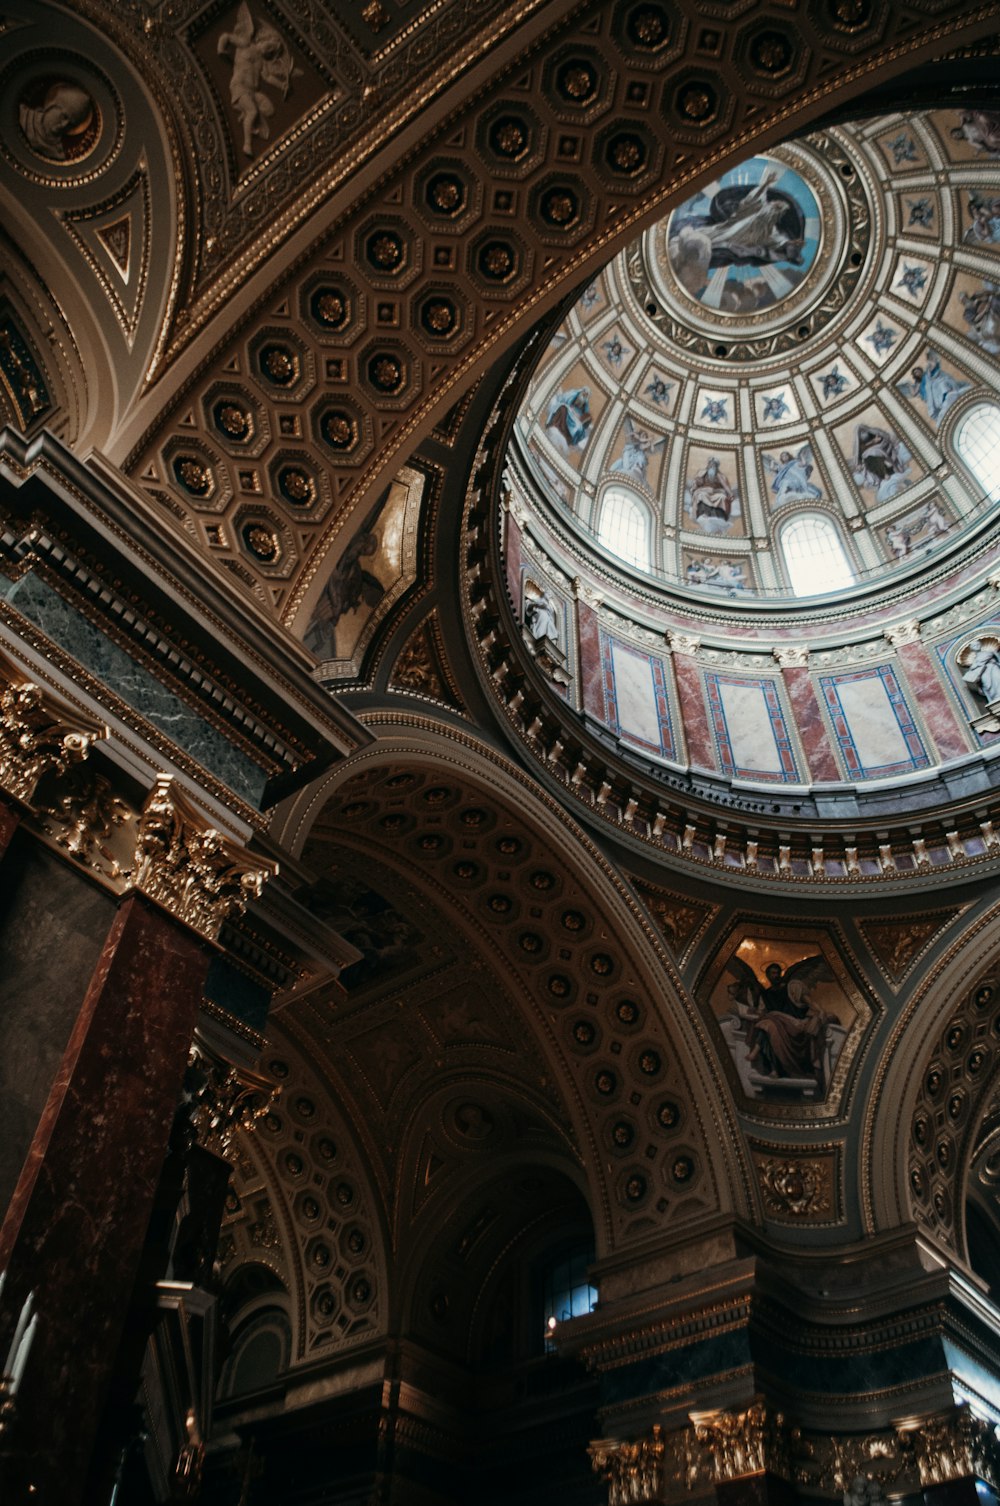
(933, 386)
(569, 418)
(981, 129)
(639, 445)
(260, 58)
(981, 312)
(788, 1032)
(881, 461)
(981, 668)
(63, 115)
(711, 499)
(754, 226)
(789, 476)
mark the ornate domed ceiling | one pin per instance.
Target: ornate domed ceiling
(791, 353)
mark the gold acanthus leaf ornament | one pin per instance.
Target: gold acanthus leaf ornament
(189, 867)
(38, 736)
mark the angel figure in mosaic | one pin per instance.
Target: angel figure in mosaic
(261, 58)
(787, 1032)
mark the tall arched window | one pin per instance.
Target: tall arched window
(814, 556)
(623, 527)
(977, 445)
(566, 1291)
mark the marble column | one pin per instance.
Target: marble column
(75, 1227)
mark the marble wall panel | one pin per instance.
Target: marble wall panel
(136, 686)
(873, 725)
(636, 704)
(751, 732)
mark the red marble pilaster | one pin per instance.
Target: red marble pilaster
(808, 718)
(10, 819)
(76, 1224)
(929, 695)
(591, 668)
(691, 699)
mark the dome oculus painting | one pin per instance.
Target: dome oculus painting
(746, 241)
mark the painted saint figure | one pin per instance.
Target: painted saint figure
(981, 312)
(569, 418)
(711, 498)
(260, 58)
(881, 462)
(753, 226)
(933, 386)
(787, 1029)
(634, 458)
(789, 476)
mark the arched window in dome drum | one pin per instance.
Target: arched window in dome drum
(815, 558)
(976, 442)
(623, 527)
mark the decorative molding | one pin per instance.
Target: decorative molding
(39, 735)
(189, 867)
(223, 1098)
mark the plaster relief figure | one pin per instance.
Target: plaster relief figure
(980, 661)
(541, 631)
(260, 58)
(57, 127)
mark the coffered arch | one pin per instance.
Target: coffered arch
(417, 297)
(934, 1087)
(617, 1045)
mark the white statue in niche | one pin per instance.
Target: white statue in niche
(260, 57)
(980, 661)
(541, 631)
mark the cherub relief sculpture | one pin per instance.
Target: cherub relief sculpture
(261, 57)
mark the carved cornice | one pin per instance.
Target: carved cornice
(169, 850)
(723, 1446)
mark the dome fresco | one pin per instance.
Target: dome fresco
(779, 389)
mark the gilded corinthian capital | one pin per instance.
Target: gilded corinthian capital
(189, 867)
(38, 735)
